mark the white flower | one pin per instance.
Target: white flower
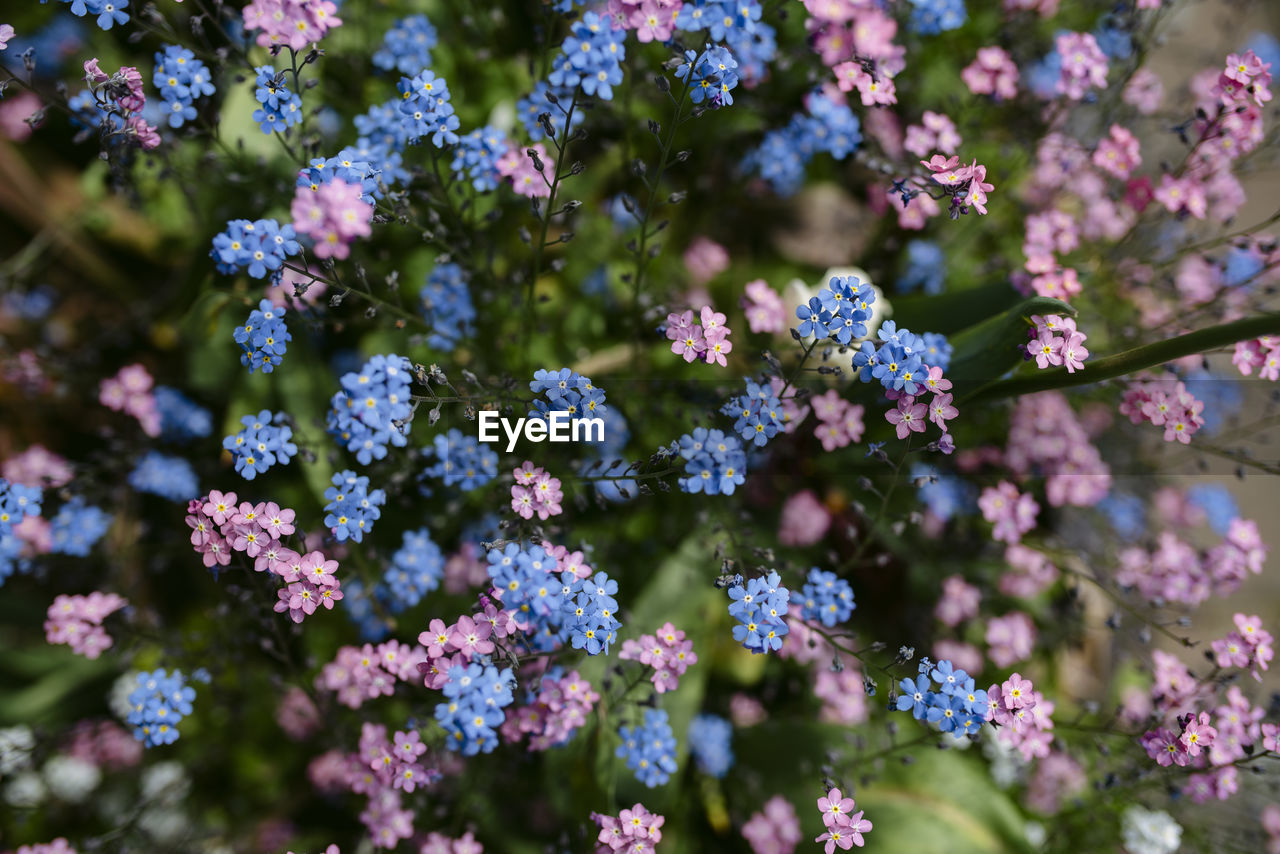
(1150, 831)
(164, 824)
(16, 744)
(71, 779)
(166, 782)
(25, 791)
(1007, 764)
(118, 697)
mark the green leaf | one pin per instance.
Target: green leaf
(988, 350)
(943, 801)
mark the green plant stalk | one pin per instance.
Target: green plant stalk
(1131, 361)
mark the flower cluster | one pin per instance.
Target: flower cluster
(839, 421)
(1022, 716)
(667, 651)
(445, 300)
(633, 830)
(566, 391)
(264, 337)
(278, 108)
(649, 748)
(352, 509)
(775, 829)
(259, 247)
(826, 598)
(829, 126)
(130, 391)
(590, 57)
(1175, 571)
(181, 79)
(551, 718)
(764, 308)
(181, 418)
(715, 464)
(992, 73)
(710, 743)
(1260, 353)
(967, 185)
(930, 17)
(758, 413)
(76, 527)
(417, 568)
(158, 705)
(1012, 513)
(1248, 646)
(1164, 402)
(957, 707)
(535, 493)
(114, 104)
(1055, 341)
(840, 311)
(372, 409)
(476, 158)
(1246, 78)
(1180, 748)
(310, 583)
(475, 696)
(406, 46)
(357, 674)
(844, 827)
(294, 24)
(332, 215)
(875, 86)
(77, 621)
(17, 503)
(349, 167)
(1084, 65)
(710, 75)
(168, 476)
(707, 341)
(264, 441)
(760, 607)
(462, 460)
(426, 109)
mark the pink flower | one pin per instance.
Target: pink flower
(936, 132)
(471, 637)
(1084, 65)
(1010, 639)
(1144, 91)
(1197, 734)
(1118, 154)
(909, 417)
(290, 23)
(804, 520)
(941, 410)
(1012, 513)
(1016, 692)
(6, 33)
(332, 215)
(705, 259)
(1182, 194)
(93, 75)
(517, 167)
(992, 73)
(764, 308)
(959, 601)
(835, 808)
